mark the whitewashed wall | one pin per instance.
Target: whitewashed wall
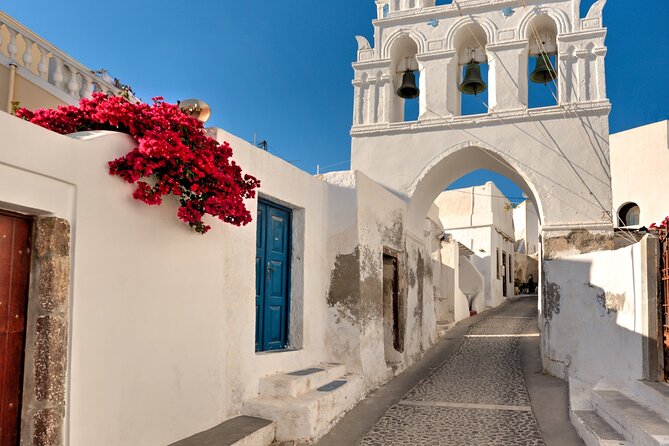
(595, 314)
(479, 217)
(526, 227)
(162, 330)
(639, 158)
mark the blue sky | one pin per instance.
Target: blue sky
(282, 68)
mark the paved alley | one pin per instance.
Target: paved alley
(477, 396)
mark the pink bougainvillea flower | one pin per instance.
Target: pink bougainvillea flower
(172, 150)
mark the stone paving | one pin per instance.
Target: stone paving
(477, 397)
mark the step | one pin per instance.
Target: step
(653, 395)
(442, 328)
(636, 423)
(238, 431)
(299, 382)
(595, 431)
(309, 416)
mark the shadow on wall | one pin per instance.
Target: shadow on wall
(599, 315)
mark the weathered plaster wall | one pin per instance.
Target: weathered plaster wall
(595, 316)
(638, 167)
(371, 222)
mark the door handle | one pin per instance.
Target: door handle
(269, 270)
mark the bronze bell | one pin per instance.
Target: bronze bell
(543, 73)
(473, 82)
(408, 89)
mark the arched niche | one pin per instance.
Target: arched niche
(402, 54)
(541, 34)
(629, 214)
(470, 43)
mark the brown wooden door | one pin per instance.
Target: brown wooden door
(15, 234)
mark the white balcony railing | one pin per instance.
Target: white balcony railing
(34, 56)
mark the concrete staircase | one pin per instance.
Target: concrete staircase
(305, 404)
(239, 431)
(637, 417)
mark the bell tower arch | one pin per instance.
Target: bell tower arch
(562, 151)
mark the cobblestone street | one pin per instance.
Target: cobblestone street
(477, 394)
(477, 397)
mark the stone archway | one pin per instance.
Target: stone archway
(454, 163)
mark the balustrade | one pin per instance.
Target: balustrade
(23, 48)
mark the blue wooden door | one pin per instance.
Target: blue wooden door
(272, 276)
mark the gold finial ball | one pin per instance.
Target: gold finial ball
(196, 108)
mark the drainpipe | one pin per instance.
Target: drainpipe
(10, 89)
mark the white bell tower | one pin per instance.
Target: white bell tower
(558, 154)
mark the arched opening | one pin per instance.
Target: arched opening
(480, 199)
(629, 215)
(385, 11)
(405, 103)
(542, 66)
(470, 43)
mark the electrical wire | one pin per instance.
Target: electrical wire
(562, 108)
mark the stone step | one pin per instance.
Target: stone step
(653, 395)
(299, 382)
(636, 423)
(595, 431)
(307, 417)
(442, 328)
(238, 431)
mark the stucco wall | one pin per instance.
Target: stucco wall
(162, 339)
(28, 94)
(638, 167)
(367, 222)
(480, 217)
(610, 290)
(472, 286)
(526, 227)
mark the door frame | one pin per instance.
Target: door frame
(44, 400)
(289, 270)
(28, 220)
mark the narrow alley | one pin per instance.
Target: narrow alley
(481, 385)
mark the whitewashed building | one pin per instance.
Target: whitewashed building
(639, 160)
(481, 218)
(140, 332)
(526, 255)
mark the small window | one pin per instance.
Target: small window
(499, 269)
(629, 215)
(386, 10)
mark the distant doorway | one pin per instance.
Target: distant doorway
(504, 274)
(392, 331)
(15, 243)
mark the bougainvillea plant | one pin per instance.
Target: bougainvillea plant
(663, 225)
(174, 156)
